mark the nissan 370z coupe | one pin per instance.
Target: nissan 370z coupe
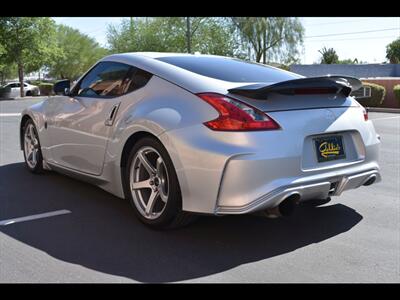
(182, 134)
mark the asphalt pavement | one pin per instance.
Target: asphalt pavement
(92, 236)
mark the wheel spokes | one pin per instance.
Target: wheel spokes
(141, 185)
(159, 163)
(35, 143)
(30, 156)
(149, 168)
(34, 154)
(31, 133)
(28, 139)
(151, 202)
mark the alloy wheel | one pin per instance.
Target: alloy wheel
(149, 182)
(31, 146)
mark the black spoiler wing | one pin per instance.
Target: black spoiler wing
(311, 85)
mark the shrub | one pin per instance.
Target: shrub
(378, 93)
(46, 89)
(396, 91)
(34, 82)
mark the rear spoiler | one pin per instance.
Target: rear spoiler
(311, 85)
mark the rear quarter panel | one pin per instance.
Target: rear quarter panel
(157, 108)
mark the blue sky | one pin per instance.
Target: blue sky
(364, 38)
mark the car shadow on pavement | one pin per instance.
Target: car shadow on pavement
(103, 234)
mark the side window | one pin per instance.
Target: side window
(106, 79)
(135, 79)
(139, 79)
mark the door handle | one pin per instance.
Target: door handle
(110, 120)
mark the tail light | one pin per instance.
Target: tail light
(365, 112)
(235, 115)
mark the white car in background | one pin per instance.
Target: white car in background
(12, 90)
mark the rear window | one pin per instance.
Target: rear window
(227, 69)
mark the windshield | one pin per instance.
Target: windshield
(228, 69)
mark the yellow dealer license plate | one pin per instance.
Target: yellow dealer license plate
(329, 148)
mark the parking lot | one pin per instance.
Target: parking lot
(95, 237)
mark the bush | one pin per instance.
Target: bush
(38, 82)
(34, 82)
(378, 93)
(396, 91)
(46, 89)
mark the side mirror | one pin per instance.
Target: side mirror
(62, 87)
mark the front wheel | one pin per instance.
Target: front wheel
(31, 146)
(152, 186)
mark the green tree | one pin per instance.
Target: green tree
(171, 34)
(7, 71)
(29, 42)
(329, 56)
(215, 36)
(3, 63)
(393, 51)
(139, 34)
(269, 38)
(348, 61)
(78, 53)
(192, 25)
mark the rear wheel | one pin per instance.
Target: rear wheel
(152, 186)
(31, 146)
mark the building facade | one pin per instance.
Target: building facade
(387, 75)
(356, 70)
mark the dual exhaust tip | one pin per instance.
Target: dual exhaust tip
(287, 206)
(370, 180)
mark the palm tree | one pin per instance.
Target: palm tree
(329, 56)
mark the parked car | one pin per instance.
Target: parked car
(12, 90)
(181, 134)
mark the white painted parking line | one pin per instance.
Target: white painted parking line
(34, 217)
(385, 118)
(10, 115)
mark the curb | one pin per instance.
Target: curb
(382, 109)
(30, 97)
(25, 98)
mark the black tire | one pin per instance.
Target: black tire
(38, 168)
(28, 93)
(316, 202)
(172, 215)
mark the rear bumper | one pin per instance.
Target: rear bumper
(308, 189)
(242, 172)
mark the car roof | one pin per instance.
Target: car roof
(156, 55)
(193, 82)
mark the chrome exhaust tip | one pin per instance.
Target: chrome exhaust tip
(285, 208)
(370, 180)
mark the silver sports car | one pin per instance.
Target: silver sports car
(181, 134)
